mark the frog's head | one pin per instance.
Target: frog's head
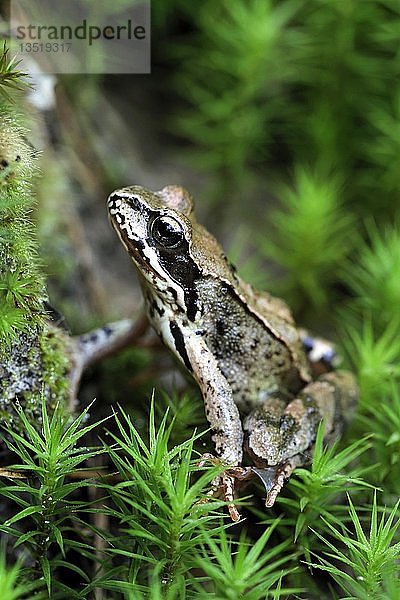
(169, 248)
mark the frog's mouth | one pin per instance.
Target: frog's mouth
(141, 261)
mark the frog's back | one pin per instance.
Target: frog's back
(253, 359)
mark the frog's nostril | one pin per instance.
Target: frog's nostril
(133, 201)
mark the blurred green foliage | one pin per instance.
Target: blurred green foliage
(310, 233)
(269, 85)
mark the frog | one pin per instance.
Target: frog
(266, 383)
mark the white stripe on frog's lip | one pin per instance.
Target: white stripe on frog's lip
(164, 281)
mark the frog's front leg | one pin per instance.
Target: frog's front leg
(222, 415)
(280, 438)
(220, 408)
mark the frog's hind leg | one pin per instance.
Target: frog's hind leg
(99, 343)
(279, 439)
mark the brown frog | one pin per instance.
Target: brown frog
(253, 365)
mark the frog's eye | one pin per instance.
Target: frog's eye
(167, 232)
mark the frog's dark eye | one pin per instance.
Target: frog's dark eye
(167, 232)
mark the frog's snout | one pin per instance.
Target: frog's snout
(113, 202)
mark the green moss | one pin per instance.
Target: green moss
(55, 364)
(34, 360)
(22, 288)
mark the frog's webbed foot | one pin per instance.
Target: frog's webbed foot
(225, 485)
(274, 478)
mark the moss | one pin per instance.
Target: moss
(22, 289)
(55, 364)
(34, 359)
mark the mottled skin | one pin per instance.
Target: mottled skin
(253, 366)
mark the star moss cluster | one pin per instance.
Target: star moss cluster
(33, 359)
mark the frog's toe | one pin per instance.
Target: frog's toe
(228, 493)
(224, 485)
(208, 457)
(223, 488)
(278, 482)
